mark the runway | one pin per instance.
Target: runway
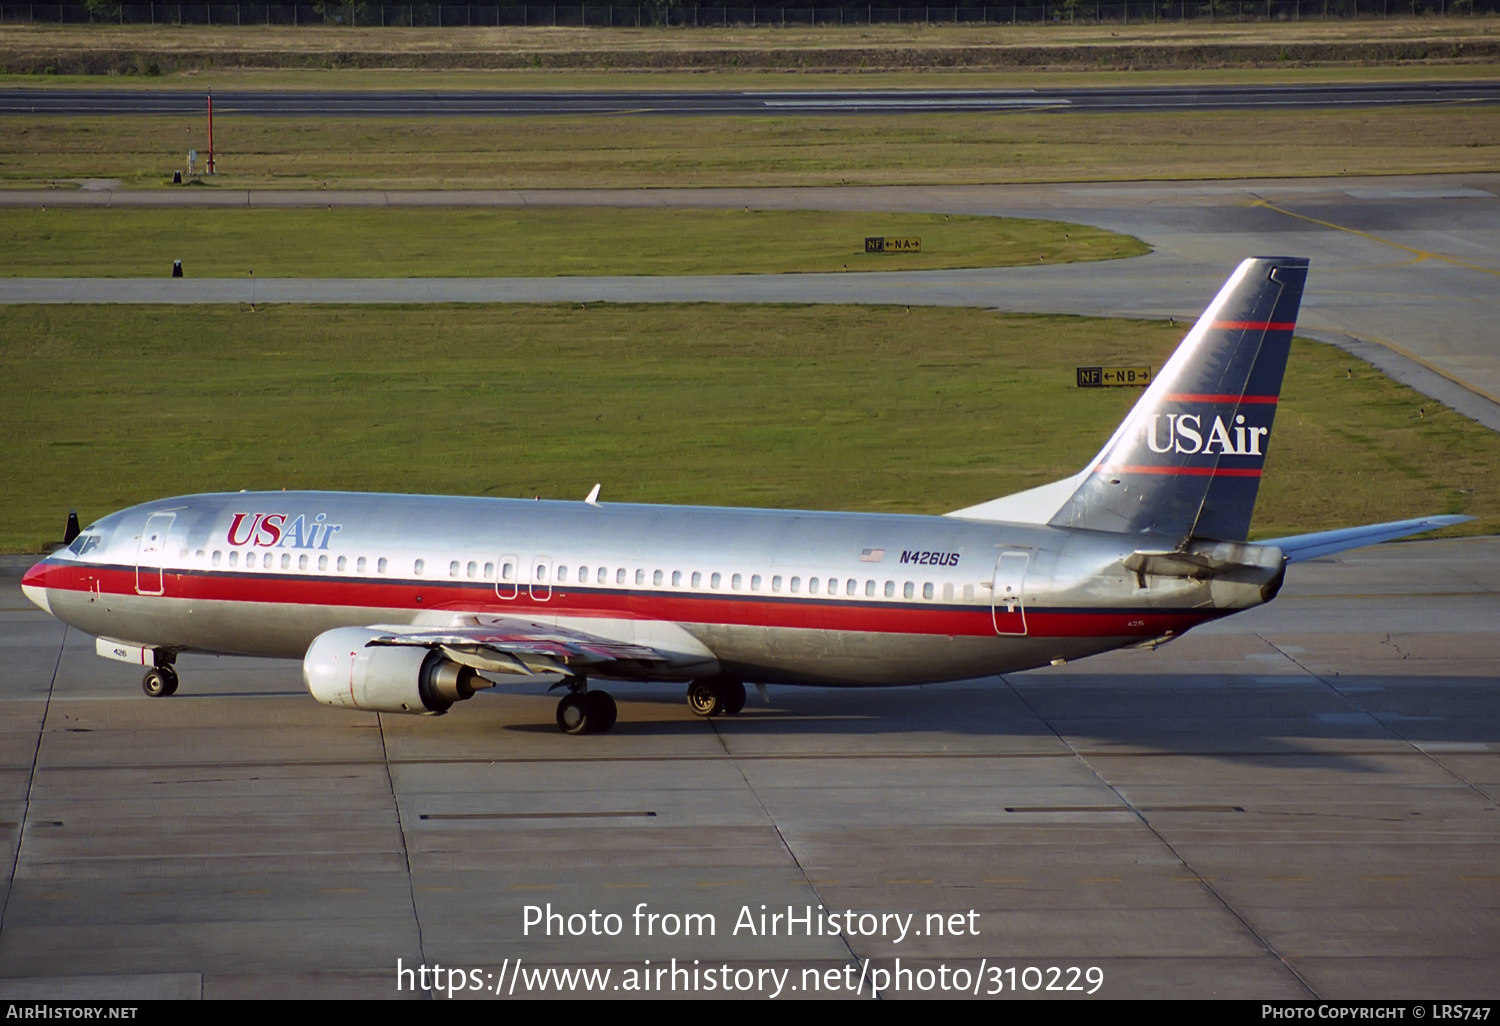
(1297, 802)
(725, 103)
(1404, 270)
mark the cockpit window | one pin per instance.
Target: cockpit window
(84, 543)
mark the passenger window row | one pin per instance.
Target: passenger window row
(268, 561)
(476, 570)
(831, 586)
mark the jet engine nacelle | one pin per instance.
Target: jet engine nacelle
(342, 668)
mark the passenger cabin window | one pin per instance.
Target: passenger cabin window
(453, 568)
(947, 593)
(697, 579)
(380, 566)
(776, 583)
(713, 582)
(812, 586)
(507, 571)
(890, 589)
(656, 578)
(359, 564)
(583, 575)
(343, 563)
(870, 589)
(927, 590)
(217, 554)
(301, 562)
(676, 578)
(489, 571)
(323, 562)
(734, 582)
(640, 577)
(620, 576)
(472, 570)
(851, 587)
(200, 554)
(286, 560)
(755, 582)
(908, 590)
(562, 573)
(796, 585)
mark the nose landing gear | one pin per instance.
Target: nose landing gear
(716, 696)
(160, 681)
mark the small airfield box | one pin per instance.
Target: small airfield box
(878, 244)
(1106, 377)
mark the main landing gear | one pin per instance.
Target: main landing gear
(582, 711)
(716, 696)
(160, 681)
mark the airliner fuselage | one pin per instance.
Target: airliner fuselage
(771, 596)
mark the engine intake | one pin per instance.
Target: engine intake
(342, 668)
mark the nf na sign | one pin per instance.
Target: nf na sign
(877, 244)
(1104, 377)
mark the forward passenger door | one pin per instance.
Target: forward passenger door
(152, 553)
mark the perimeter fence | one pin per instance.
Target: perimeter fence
(640, 15)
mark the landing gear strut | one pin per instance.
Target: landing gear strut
(716, 696)
(582, 711)
(160, 681)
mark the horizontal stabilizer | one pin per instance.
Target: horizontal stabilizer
(1325, 543)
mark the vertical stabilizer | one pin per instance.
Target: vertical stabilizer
(1187, 460)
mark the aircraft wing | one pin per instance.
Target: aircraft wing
(1324, 543)
(501, 644)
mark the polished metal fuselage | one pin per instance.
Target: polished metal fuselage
(768, 595)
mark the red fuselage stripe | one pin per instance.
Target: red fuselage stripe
(854, 615)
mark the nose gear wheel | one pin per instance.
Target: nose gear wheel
(160, 682)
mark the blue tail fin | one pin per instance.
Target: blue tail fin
(1187, 460)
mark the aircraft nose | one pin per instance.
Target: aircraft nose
(34, 586)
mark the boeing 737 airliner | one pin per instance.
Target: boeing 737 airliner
(408, 603)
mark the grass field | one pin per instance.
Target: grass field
(651, 151)
(335, 39)
(361, 79)
(169, 51)
(871, 408)
(519, 242)
(535, 79)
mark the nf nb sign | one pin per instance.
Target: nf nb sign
(877, 244)
(1104, 377)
